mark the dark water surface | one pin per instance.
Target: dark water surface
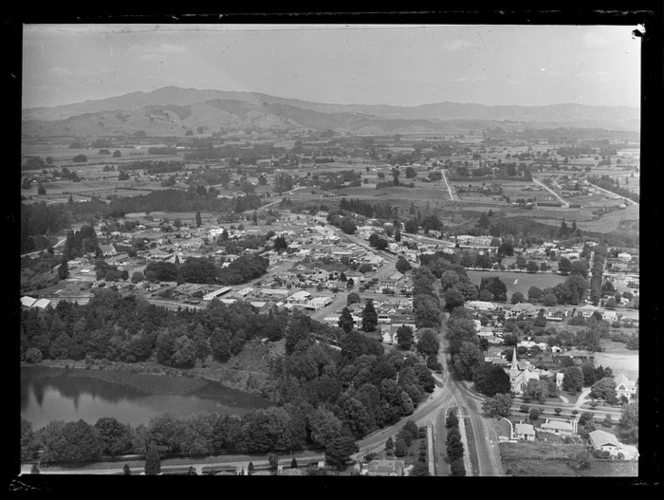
(70, 398)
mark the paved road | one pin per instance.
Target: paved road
(485, 436)
(565, 204)
(138, 466)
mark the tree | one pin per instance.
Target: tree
(453, 298)
(564, 266)
(604, 388)
(411, 226)
(199, 221)
(405, 337)
(352, 298)
(490, 379)
(532, 267)
(115, 437)
(536, 389)
(71, 442)
(403, 265)
(339, 450)
(499, 405)
(126, 470)
(572, 379)
(534, 414)
(534, 294)
(63, 270)
(420, 469)
(273, 460)
(629, 423)
(347, 225)
(152, 462)
(400, 448)
(549, 300)
(41, 189)
(29, 445)
(467, 360)
(293, 464)
(369, 317)
(428, 345)
(517, 297)
(346, 320)
(458, 468)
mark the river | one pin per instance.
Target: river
(70, 397)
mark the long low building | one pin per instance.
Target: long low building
(217, 293)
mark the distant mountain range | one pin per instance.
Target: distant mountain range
(172, 111)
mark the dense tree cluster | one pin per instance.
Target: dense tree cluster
(129, 329)
(454, 444)
(323, 395)
(369, 210)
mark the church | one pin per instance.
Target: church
(520, 373)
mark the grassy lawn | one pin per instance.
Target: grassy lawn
(525, 280)
(538, 459)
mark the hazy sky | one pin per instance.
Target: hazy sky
(381, 64)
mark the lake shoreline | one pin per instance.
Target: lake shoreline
(148, 378)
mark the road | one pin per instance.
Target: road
(60, 242)
(484, 432)
(614, 194)
(449, 189)
(137, 466)
(432, 412)
(564, 203)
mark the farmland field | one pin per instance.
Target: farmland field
(524, 280)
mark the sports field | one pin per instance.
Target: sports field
(518, 282)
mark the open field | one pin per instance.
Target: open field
(628, 363)
(538, 459)
(524, 280)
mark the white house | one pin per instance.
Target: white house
(605, 441)
(558, 427)
(318, 303)
(625, 387)
(299, 297)
(524, 432)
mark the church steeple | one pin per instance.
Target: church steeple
(515, 366)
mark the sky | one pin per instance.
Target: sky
(403, 65)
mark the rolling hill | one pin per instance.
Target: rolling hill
(173, 111)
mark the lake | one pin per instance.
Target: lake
(69, 397)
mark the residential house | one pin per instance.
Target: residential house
(480, 306)
(524, 432)
(300, 297)
(525, 308)
(385, 468)
(605, 441)
(558, 427)
(586, 311)
(625, 387)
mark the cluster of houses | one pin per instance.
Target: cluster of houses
(600, 441)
